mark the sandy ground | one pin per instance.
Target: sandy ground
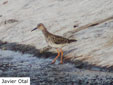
(18, 18)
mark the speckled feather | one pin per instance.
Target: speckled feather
(55, 40)
(59, 39)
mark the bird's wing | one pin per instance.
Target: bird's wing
(59, 40)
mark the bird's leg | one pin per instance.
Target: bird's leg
(61, 58)
(56, 57)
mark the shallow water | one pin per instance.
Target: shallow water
(41, 72)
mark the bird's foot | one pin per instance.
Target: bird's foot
(52, 62)
(61, 62)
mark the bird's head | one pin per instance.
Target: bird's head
(39, 26)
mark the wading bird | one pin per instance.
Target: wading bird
(54, 41)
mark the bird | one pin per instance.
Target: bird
(54, 41)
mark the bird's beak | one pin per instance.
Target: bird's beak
(33, 29)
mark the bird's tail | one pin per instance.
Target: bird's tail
(72, 40)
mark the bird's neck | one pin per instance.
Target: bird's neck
(45, 32)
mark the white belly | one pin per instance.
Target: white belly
(55, 45)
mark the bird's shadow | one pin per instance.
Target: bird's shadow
(36, 53)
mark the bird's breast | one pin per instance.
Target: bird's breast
(54, 45)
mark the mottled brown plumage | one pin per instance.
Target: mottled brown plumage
(60, 40)
(54, 40)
